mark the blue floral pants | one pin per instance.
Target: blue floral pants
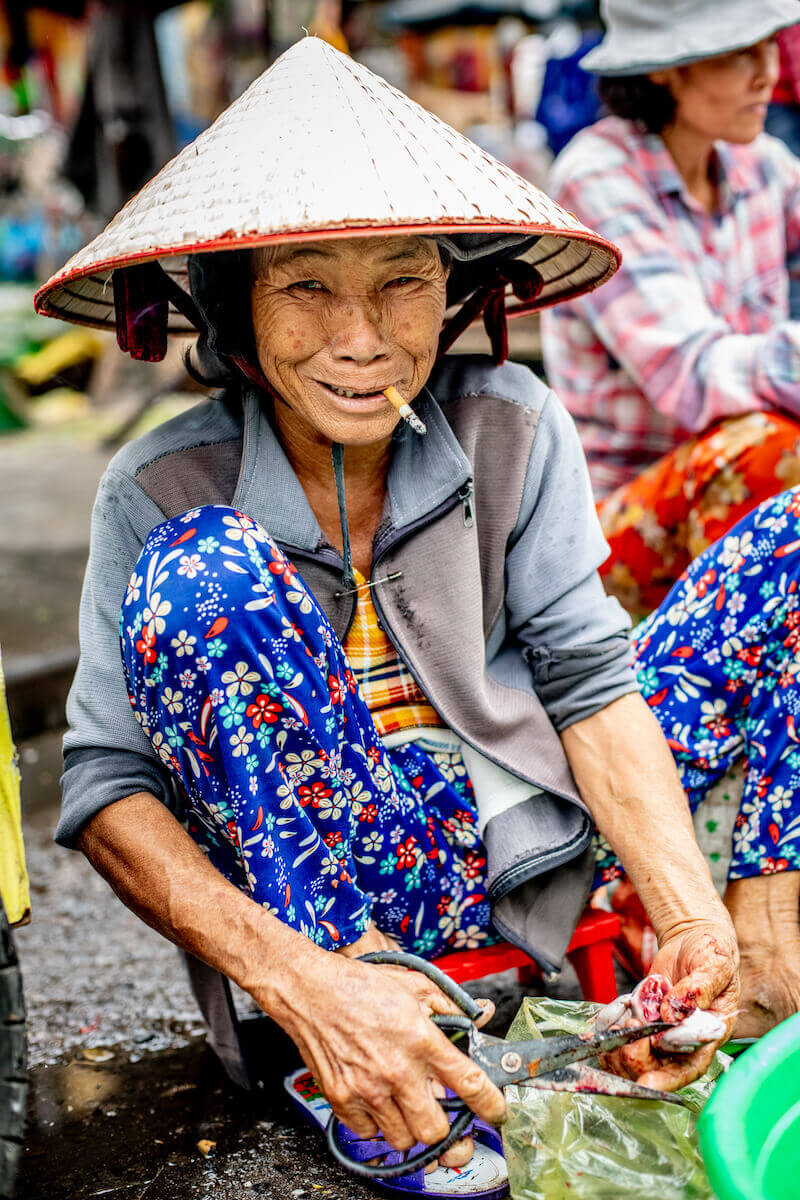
(719, 664)
(245, 694)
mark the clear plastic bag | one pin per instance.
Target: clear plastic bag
(562, 1145)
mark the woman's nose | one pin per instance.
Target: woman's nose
(767, 64)
(357, 334)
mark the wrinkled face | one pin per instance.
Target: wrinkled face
(726, 96)
(338, 321)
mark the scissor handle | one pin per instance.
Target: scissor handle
(445, 1021)
(392, 1171)
(399, 958)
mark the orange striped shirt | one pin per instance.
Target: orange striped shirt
(392, 695)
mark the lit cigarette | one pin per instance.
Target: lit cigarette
(405, 410)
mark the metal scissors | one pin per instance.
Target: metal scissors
(555, 1064)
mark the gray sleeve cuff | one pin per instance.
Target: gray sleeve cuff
(579, 681)
(96, 777)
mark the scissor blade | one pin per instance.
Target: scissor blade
(599, 1083)
(513, 1062)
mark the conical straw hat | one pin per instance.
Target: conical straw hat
(319, 146)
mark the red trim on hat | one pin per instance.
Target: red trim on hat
(233, 242)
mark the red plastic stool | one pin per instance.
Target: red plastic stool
(590, 952)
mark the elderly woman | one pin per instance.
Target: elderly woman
(371, 668)
(682, 373)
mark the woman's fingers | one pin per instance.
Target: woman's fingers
(673, 1073)
(467, 1080)
(458, 1155)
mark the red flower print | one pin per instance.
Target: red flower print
(351, 681)
(406, 858)
(374, 754)
(263, 710)
(705, 581)
(441, 907)
(335, 689)
(771, 866)
(368, 813)
(281, 566)
(762, 787)
(146, 645)
(312, 794)
(333, 838)
(793, 504)
(719, 726)
(473, 863)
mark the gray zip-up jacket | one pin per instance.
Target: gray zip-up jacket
(498, 610)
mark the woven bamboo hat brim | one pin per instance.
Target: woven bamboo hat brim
(318, 147)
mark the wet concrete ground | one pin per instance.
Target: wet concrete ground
(123, 1087)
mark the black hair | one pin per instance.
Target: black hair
(649, 105)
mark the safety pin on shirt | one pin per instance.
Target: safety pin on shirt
(371, 583)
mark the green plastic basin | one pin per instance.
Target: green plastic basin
(750, 1128)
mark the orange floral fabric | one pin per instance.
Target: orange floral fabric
(657, 524)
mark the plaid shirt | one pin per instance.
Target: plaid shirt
(392, 695)
(694, 326)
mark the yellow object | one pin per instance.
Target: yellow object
(391, 692)
(57, 356)
(13, 874)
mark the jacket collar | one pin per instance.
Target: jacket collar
(659, 166)
(423, 473)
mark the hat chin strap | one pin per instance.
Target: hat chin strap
(337, 454)
(526, 284)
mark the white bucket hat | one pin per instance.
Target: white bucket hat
(320, 147)
(650, 35)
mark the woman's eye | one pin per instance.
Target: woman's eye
(401, 280)
(308, 285)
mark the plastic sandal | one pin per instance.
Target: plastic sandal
(485, 1177)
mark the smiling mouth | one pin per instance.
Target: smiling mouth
(351, 394)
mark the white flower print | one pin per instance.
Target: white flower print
(172, 700)
(291, 631)
(469, 938)
(736, 603)
(203, 663)
(781, 797)
(191, 565)
(161, 747)
(155, 612)
(217, 696)
(302, 765)
(245, 530)
(133, 589)
(187, 678)
(240, 679)
(241, 742)
(735, 549)
(330, 807)
(183, 643)
(266, 597)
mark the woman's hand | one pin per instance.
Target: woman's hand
(366, 1034)
(701, 961)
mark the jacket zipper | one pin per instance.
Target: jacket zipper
(465, 496)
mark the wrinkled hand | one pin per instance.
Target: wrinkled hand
(702, 963)
(365, 1033)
